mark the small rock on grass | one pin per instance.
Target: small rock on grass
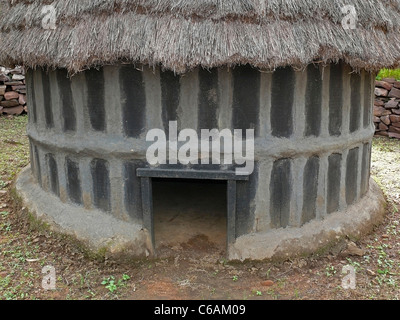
(370, 272)
(353, 250)
(267, 283)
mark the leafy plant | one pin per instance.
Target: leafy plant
(112, 284)
(389, 73)
(330, 271)
(109, 283)
(2, 184)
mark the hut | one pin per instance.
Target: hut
(298, 74)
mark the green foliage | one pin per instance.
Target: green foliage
(14, 146)
(389, 73)
(112, 284)
(330, 271)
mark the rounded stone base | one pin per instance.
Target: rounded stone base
(102, 233)
(98, 231)
(357, 220)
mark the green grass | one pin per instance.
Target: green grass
(389, 73)
(14, 148)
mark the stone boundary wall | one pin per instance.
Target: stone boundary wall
(12, 91)
(387, 108)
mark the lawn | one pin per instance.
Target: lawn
(14, 149)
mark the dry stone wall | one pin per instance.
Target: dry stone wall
(387, 108)
(12, 91)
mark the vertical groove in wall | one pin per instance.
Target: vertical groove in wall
(365, 169)
(38, 168)
(282, 104)
(31, 157)
(133, 97)
(368, 99)
(132, 197)
(208, 99)
(53, 174)
(62, 179)
(74, 188)
(113, 101)
(325, 103)
(151, 78)
(95, 99)
(225, 93)
(56, 102)
(67, 104)
(343, 167)
(246, 99)
(78, 95)
(313, 101)
(280, 190)
(170, 93)
(310, 189)
(359, 169)
(101, 184)
(351, 176)
(321, 201)
(369, 163)
(355, 100)
(299, 117)
(116, 177)
(44, 169)
(245, 206)
(347, 99)
(335, 99)
(334, 179)
(362, 100)
(297, 196)
(85, 175)
(262, 211)
(39, 99)
(265, 104)
(188, 101)
(30, 87)
(47, 103)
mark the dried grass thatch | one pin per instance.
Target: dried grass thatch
(183, 34)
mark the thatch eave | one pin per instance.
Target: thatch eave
(170, 33)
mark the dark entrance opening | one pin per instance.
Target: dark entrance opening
(219, 178)
(189, 215)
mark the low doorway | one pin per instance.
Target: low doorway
(189, 208)
(189, 214)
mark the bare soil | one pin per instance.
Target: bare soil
(194, 267)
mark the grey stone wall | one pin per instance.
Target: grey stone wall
(12, 91)
(387, 108)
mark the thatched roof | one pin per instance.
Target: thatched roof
(183, 34)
